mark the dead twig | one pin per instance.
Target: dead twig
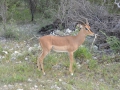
(94, 40)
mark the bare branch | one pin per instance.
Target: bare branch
(117, 3)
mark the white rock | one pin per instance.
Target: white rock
(18, 62)
(55, 87)
(15, 55)
(5, 52)
(26, 58)
(5, 86)
(60, 80)
(35, 86)
(35, 45)
(95, 47)
(30, 80)
(58, 32)
(19, 89)
(78, 64)
(16, 52)
(11, 86)
(95, 58)
(68, 30)
(3, 57)
(30, 49)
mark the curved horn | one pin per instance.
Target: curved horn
(87, 21)
(81, 22)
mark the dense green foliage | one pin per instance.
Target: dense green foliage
(20, 9)
(114, 43)
(82, 53)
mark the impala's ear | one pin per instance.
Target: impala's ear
(81, 26)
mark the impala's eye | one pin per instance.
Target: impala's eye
(86, 29)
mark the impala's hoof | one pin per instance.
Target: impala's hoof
(71, 74)
(44, 73)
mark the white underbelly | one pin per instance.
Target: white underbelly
(60, 48)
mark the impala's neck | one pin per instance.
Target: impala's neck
(81, 37)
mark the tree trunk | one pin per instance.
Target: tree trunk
(32, 4)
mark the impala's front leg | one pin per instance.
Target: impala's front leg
(40, 61)
(71, 62)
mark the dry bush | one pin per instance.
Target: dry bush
(71, 11)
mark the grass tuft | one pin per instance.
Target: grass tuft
(82, 53)
(92, 64)
(50, 60)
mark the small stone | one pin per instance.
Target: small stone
(95, 47)
(95, 58)
(35, 86)
(26, 58)
(19, 89)
(29, 80)
(5, 86)
(5, 52)
(60, 80)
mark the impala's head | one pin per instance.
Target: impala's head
(86, 28)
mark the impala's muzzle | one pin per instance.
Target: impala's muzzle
(92, 34)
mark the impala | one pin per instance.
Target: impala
(63, 44)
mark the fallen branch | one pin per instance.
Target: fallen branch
(94, 40)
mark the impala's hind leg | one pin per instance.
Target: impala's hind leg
(40, 61)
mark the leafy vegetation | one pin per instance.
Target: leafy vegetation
(83, 53)
(114, 42)
(12, 31)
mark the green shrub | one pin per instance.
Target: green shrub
(12, 30)
(10, 34)
(92, 64)
(22, 15)
(82, 53)
(18, 12)
(114, 43)
(49, 61)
